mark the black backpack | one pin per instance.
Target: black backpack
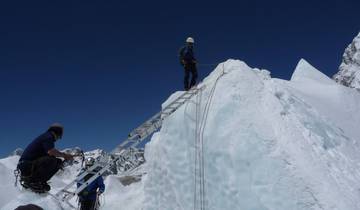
(181, 55)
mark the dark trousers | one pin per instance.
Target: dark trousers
(39, 170)
(87, 205)
(190, 68)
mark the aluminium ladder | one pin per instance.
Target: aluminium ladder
(136, 137)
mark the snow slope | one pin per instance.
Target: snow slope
(349, 71)
(12, 197)
(268, 144)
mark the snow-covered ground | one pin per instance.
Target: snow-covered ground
(268, 144)
(12, 197)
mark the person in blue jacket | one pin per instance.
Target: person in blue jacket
(88, 198)
(188, 61)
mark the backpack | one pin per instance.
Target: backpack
(181, 55)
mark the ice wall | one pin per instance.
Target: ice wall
(265, 147)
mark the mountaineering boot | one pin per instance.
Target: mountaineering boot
(26, 185)
(36, 187)
(46, 186)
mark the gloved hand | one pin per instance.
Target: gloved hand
(68, 156)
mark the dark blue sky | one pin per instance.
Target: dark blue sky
(102, 67)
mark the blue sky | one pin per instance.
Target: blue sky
(102, 67)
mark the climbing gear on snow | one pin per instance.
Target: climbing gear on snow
(89, 161)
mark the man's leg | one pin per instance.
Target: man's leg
(45, 167)
(87, 205)
(186, 78)
(25, 168)
(194, 76)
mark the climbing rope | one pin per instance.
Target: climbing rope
(97, 202)
(199, 145)
(197, 113)
(102, 199)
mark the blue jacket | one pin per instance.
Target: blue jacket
(187, 53)
(39, 147)
(89, 193)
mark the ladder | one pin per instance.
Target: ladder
(136, 137)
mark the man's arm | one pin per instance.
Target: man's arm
(56, 153)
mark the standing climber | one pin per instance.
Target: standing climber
(39, 161)
(188, 61)
(89, 197)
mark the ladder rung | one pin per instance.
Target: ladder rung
(186, 98)
(176, 105)
(69, 192)
(177, 102)
(92, 172)
(168, 113)
(170, 108)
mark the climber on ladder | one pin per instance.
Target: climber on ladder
(188, 61)
(89, 197)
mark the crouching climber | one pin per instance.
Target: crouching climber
(39, 161)
(89, 197)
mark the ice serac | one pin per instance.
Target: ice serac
(266, 146)
(349, 70)
(305, 71)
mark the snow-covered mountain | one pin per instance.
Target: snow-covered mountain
(123, 174)
(246, 141)
(349, 71)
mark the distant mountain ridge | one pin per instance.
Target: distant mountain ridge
(349, 70)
